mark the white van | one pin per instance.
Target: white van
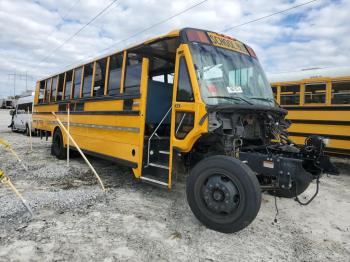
(21, 119)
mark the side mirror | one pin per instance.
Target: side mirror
(12, 112)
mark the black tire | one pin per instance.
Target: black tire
(293, 191)
(229, 204)
(57, 147)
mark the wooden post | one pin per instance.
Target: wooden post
(30, 130)
(13, 152)
(68, 129)
(6, 181)
(79, 150)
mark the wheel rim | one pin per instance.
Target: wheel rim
(220, 195)
(232, 210)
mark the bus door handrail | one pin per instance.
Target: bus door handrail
(180, 124)
(154, 133)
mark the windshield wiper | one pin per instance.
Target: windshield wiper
(262, 99)
(237, 98)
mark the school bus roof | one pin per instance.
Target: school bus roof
(309, 74)
(173, 33)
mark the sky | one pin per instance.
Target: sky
(31, 32)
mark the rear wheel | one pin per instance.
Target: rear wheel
(57, 147)
(223, 193)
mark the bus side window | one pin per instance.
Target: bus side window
(315, 93)
(290, 95)
(100, 76)
(88, 70)
(41, 92)
(184, 89)
(60, 87)
(341, 92)
(48, 90)
(69, 76)
(115, 74)
(77, 82)
(133, 73)
(53, 89)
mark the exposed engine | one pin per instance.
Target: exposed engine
(245, 128)
(257, 135)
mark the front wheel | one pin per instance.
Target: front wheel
(223, 193)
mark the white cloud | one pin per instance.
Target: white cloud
(314, 35)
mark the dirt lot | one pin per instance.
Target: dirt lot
(75, 221)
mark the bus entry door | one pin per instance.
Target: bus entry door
(184, 115)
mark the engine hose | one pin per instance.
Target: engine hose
(312, 198)
(284, 138)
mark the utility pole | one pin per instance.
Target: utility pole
(14, 75)
(26, 81)
(23, 76)
(14, 85)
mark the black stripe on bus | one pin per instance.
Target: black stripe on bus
(113, 113)
(337, 151)
(94, 99)
(337, 137)
(317, 108)
(320, 122)
(116, 160)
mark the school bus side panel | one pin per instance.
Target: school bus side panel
(103, 128)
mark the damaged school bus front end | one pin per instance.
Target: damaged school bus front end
(245, 148)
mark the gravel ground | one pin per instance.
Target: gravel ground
(75, 221)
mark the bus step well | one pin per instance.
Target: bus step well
(153, 174)
(164, 152)
(154, 181)
(159, 165)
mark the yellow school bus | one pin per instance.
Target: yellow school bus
(189, 100)
(318, 102)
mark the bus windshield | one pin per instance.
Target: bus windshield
(227, 76)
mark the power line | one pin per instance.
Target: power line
(166, 20)
(146, 29)
(154, 25)
(71, 8)
(267, 16)
(77, 32)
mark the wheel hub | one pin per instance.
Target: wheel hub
(220, 194)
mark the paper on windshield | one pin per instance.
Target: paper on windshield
(234, 89)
